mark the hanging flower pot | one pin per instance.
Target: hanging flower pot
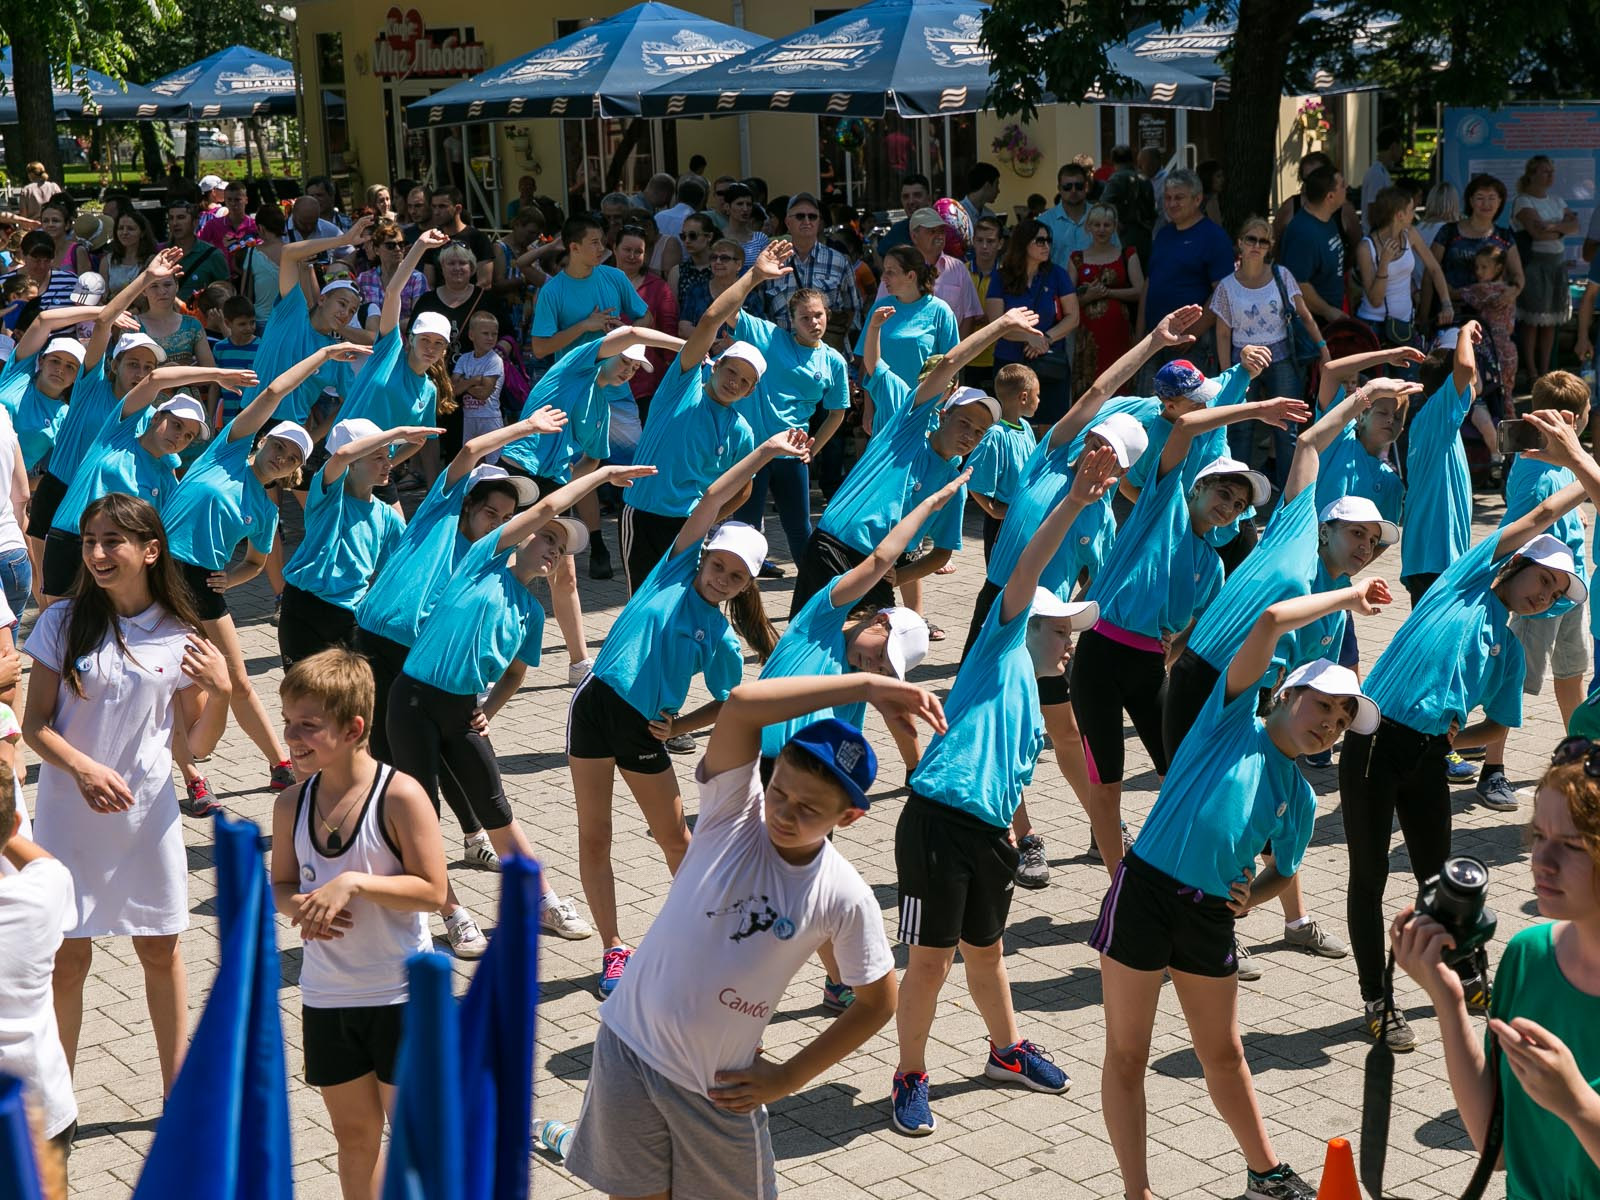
(1025, 167)
(1003, 153)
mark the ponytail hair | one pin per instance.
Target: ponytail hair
(446, 402)
(909, 259)
(748, 616)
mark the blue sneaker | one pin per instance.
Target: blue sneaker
(611, 964)
(1458, 769)
(912, 1116)
(1321, 761)
(1027, 1064)
(836, 997)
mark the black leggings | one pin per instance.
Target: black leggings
(308, 624)
(431, 737)
(1394, 772)
(1417, 586)
(1108, 678)
(987, 595)
(1188, 687)
(388, 660)
(1234, 552)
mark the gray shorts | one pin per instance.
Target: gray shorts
(1560, 644)
(639, 1133)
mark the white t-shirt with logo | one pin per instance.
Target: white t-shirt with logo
(738, 924)
(36, 905)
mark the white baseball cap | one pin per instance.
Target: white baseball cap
(352, 429)
(337, 284)
(745, 352)
(1552, 552)
(1260, 489)
(212, 183)
(293, 434)
(134, 341)
(65, 345)
(745, 541)
(1360, 510)
(637, 354)
(1126, 437)
(907, 644)
(90, 288)
(576, 534)
(435, 323)
(1331, 679)
(972, 395)
(527, 490)
(186, 406)
(1082, 613)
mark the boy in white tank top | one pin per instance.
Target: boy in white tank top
(357, 865)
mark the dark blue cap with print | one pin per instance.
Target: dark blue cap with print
(839, 746)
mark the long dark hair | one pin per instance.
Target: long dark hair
(92, 614)
(748, 617)
(146, 249)
(1014, 261)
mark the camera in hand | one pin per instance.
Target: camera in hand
(1454, 898)
(1517, 436)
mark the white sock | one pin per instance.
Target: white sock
(1300, 924)
(481, 837)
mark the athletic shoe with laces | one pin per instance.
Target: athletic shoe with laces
(1034, 869)
(1458, 769)
(465, 938)
(1028, 1065)
(1280, 1183)
(680, 743)
(1396, 1034)
(1249, 968)
(1320, 761)
(282, 776)
(770, 570)
(277, 608)
(911, 1114)
(600, 561)
(1496, 792)
(560, 917)
(836, 997)
(612, 963)
(1474, 752)
(579, 671)
(478, 850)
(1313, 938)
(1127, 844)
(197, 799)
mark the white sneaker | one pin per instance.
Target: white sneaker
(579, 671)
(479, 852)
(466, 939)
(561, 918)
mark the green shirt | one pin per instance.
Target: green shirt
(1544, 1160)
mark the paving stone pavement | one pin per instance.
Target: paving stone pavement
(834, 1141)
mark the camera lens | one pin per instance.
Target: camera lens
(1465, 876)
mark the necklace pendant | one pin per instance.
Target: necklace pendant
(335, 842)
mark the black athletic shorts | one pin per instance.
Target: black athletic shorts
(210, 604)
(47, 497)
(544, 483)
(956, 876)
(63, 555)
(343, 1044)
(601, 724)
(1149, 922)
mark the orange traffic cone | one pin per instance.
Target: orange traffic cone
(1339, 1173)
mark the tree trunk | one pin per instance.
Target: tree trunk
(155, 168)
(1260, 48)
(35, 135)
(191, 150)
(632, 136)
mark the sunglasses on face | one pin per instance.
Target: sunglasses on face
(1254, 240)
(726, 258)
(805, 216)
(693, 233)
(720, 195)
(1041, 240)
(1075, 186)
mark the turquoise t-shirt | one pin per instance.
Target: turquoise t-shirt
(218, 504)
(690, 439)
(1544, 1159)
(664, 636)
(994, 727)
(93, 404)
(1438, 525)
(1159, 575)
(387, 392)
(288, 338)
(116, 462)
(36, 417)
(898, 471)
(1530, 483)
(407, 587)
(918, 329)
(1346, 469)
(1044, 482)
(15, 378)
(797, 379)
(347, 539)
(998, 460)
(813, 644)
(1320, 639)
(1454, 653)
(573, 386)
(565, 300)
(1228, 791)
(485, 618)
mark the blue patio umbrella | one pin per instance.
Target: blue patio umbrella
(236, 82)
(920, 58)
(598, 71)
(108, 99)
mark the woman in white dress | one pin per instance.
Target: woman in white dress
(112, 674)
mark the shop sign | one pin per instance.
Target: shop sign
(408, 49)
(846, 49)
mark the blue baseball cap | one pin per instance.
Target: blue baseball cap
(839, 746)
(1182, 380)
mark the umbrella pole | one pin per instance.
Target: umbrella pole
(587, 199)
(949, 189)
(849, 177)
